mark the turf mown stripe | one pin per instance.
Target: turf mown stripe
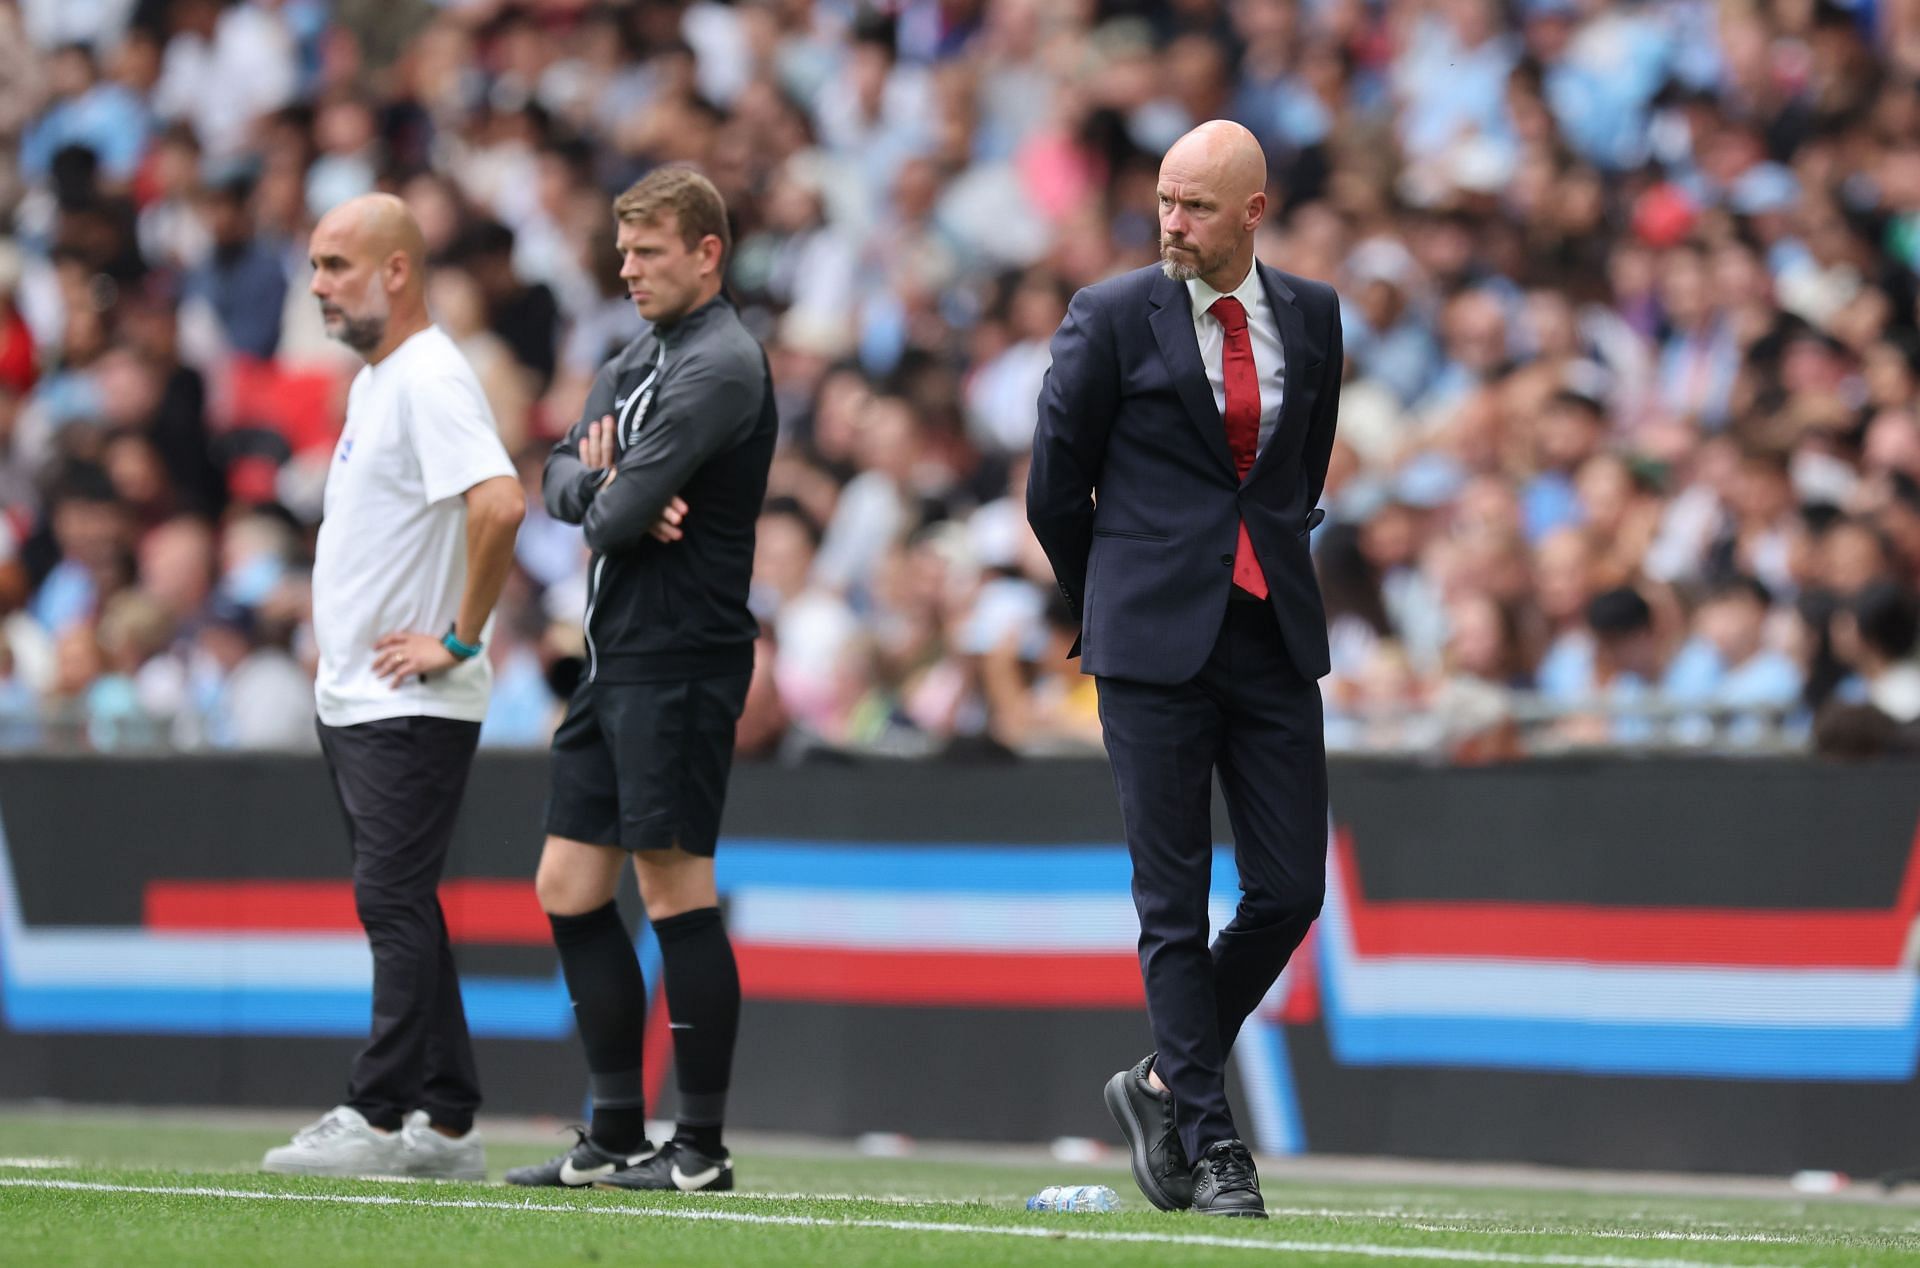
(1037, 1231)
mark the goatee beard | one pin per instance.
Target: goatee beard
(1174, 267)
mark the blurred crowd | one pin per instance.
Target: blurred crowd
(1628, 451)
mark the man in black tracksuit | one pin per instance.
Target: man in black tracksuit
(665, 472)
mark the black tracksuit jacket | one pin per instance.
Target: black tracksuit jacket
(693, 404)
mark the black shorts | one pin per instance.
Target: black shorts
(644, 765)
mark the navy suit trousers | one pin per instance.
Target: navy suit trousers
(1251, 716)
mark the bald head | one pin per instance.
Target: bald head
(369, 273)
(1223, 152)
(1212, 195)
(378, 225)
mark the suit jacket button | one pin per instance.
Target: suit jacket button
(1227, 560)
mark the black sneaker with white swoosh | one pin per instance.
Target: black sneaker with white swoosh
(584, 1164)
(676, 1168)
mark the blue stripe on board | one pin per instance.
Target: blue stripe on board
(499, 1008)
(1266, 1076)
(1743, 1052)
(1274, 1036)
(1038, 870)
(496, 1007)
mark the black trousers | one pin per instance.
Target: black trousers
(400, 781)
(1253, 718)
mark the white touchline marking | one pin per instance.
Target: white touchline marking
(1040, 1231)
(1422, 1222)
(41, 1164)
(879, 1199)
(1542, 1223)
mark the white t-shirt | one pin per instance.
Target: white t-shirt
(392, 553)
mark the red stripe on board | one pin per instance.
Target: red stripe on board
(1302, 1002)
(1629, 935)
(249, 907)
(506, 912)
(993, 979)
(489, 911)
(500, 912)
(497, 911)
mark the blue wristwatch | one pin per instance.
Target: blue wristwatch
(451, 641)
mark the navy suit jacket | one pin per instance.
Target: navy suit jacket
(1133, 491)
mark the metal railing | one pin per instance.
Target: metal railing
(1510, 724)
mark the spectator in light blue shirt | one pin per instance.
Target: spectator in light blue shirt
(1388, 333)
(1727, 665)
(1452, 78)
(1766, 196)
(1701, 355)
(106, 118)
(1571, 430)
(1600, 76)
(520, 712)
(1474, 335)
(91, 530)
(1625, 664)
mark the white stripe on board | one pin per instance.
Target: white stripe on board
(1615, 994)
(1567, 990)
(128, 958)
(952, 921)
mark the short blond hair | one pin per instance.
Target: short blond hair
(679, 191)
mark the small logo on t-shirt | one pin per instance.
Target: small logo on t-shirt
(346, 448)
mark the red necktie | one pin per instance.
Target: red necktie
(1243, 425)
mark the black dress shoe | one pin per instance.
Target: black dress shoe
(1225, 1183)
(1145, 1115)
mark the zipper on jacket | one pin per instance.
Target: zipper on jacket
(593, 596)
(633, 415)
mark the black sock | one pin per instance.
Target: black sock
(610, 1008)
(703, 1001)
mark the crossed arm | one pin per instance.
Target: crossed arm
(622, 498)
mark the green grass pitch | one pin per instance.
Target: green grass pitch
(93, 1189)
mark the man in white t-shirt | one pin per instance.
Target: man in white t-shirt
(422, 505)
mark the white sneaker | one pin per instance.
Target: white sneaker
(425, 1152)
(340, 1143)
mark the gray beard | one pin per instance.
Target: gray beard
(363, 334)
(1188, 272)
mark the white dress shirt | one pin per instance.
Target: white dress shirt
(1269, 360)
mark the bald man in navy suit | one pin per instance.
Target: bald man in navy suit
(1184, 433)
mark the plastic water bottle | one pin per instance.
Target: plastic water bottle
(1074, 1197)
